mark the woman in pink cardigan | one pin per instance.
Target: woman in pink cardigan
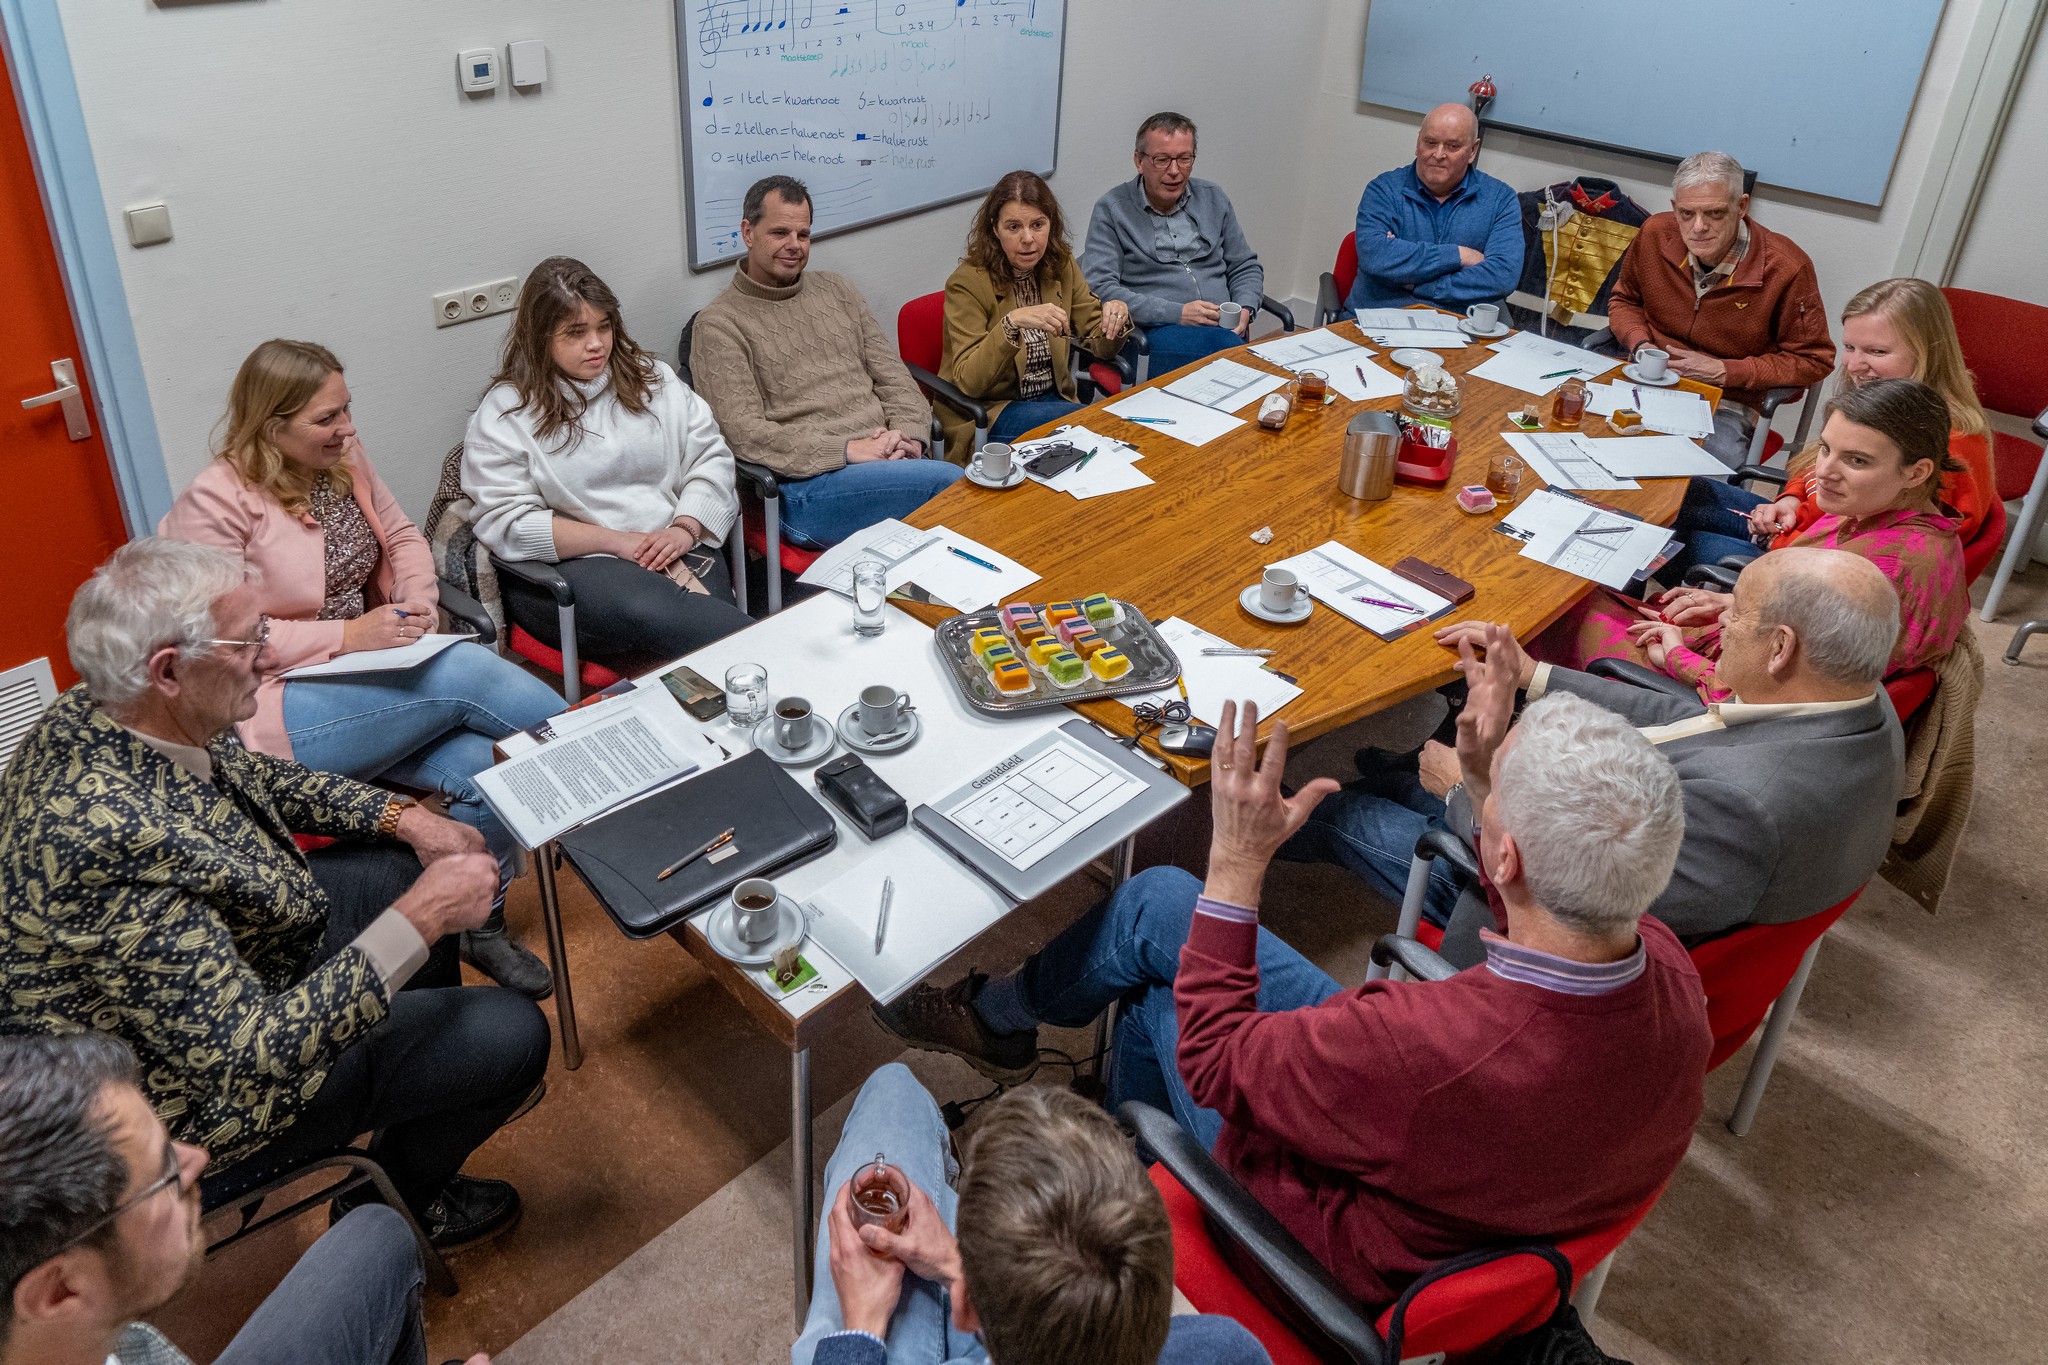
(340, 568)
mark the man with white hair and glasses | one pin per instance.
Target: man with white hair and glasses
(152, 889)
(1542, 1095)
(1733, 303)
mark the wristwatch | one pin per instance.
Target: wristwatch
(394, 809)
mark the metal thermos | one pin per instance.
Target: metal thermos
(1372, 446)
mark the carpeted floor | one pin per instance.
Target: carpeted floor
(1886, 1206)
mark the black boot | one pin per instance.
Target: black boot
(493, 951)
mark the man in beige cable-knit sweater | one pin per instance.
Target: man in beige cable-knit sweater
(801, 379)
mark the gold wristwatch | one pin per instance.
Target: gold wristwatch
(394, 810)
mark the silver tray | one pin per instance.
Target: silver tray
(1153, 665)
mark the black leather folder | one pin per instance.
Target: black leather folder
(775, 823)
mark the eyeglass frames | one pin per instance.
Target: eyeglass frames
(173, 1171)
(262, 637)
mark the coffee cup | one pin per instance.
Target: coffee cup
(755, 910)
(1280, 591)
(793, 723)
(883, 710)
(1484, 316)
(992, 462)
(1230, 315)
(1651, 362)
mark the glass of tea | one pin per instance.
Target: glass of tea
(880, 1195)
(1504, 474)
(1313, 386)
(1568, 404)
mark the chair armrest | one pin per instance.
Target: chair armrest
(1762, 473)
(2041, 426)
(540, 574)
(1719, 577)
(1635, 675)
(466, 610)
(1392, 950)
(1328, 305)
(1278, 310)
(1778, 398)
(951, 396)
(1247, 1228)
(758, 479)
(1137, 343)
(1600, 341)
(1441, 843)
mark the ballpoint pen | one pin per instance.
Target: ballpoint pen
(975, 559)
(1559, 374)
(1229, 651)
(679, 864)
(1153, 421)
(882, 915)
(1639, 398)
(1361, 374)
(1390, 606)
(1182, 684)
(1085, 459)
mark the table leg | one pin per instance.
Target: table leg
(803, 1226)
(1120, 859)
(558, 955)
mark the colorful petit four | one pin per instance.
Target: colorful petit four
(1056, 612)
(986, 639)
(1011, 677)
(1108, 663)
(1017, 611)
(1101, 610)
(1072, 626)
(998, 656)
(1040, 650)
(1031, 631)
(1066, 670)
(1087, 643)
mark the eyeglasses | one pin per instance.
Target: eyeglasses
(1160, 163)
(173, 1172)
(262, 637)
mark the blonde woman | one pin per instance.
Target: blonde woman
(339, 568)
(1895, 329)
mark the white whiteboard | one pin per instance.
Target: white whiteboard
(1810, 94)
(881, 107)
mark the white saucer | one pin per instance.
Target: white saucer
(857, 738)
(1666, 382)
(1473, 329)
(1249, 600)
(822, 741)
(789, 931)
(1408, 357)
(975, 477)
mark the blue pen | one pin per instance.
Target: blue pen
(972, 559)
(1154, 421)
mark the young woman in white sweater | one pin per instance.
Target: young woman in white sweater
(590, 454)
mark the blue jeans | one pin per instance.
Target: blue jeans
(1713, 521)
(825, 509)
(1128, 948)
(353, 1299)
(1179, 344)
(429, 727)
(1021, 414)
(895, 1116)
(1370, 828)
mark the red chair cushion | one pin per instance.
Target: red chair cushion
(1429, 936)
(1982, 548)
(1345, 272)
(1106, 377)
(2013, 462)
(596, 677)
(1910, 691)
(2011, 375)
(1208, 1281)
(1745, 971)
(795, 558)
(921, 331)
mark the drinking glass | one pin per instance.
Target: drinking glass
(746, 695)
(1504, 478)
(880, 1196)
(870, 596)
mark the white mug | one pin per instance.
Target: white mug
(755, 910)
(1230, 315)
(992, 462)
(1280, 591)
(883, 710)
(793, 723)
(1650, 362)
(1485, 316)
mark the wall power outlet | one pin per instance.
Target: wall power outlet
(477, 301)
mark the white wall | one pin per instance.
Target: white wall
(2002, 253)
(326, 178)
(1851, 245)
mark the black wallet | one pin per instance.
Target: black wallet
(775, 824)
(862, 796)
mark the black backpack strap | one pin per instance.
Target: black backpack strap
(1397, 1321)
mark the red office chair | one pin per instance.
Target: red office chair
(921, 341)
(1335, 286)
(2005, 342)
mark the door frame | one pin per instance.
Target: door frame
(39, 61)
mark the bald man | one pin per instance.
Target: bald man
(1438, 230)
(1790, 786)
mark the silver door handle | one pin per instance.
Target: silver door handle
(69, 396)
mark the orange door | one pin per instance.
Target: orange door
(59, 514)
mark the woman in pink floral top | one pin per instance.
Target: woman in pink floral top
(1881, 452)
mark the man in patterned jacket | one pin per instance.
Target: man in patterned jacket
(150, 888)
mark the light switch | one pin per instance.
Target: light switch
(529, 64)
(148, 224)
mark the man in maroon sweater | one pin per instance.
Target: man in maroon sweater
(1545, 1093)
(1733, 303)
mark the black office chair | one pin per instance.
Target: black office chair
(244, 1188)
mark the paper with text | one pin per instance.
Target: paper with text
(637, 742)
(1225, 385)
(1190, 423)
(1582, 539)
(1337, 576)
(380, 660)
(1564, 459)
(891, 541)
(1036, 800)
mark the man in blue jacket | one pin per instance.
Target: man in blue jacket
(1438, 231)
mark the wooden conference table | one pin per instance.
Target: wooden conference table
(1181, 546)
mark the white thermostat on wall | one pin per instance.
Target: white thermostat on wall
(478, 69)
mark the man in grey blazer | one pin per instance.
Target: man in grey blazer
(1790, 787)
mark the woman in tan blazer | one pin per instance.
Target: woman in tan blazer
(1014, 303)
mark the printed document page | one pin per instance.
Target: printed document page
(1225, 385)
(381, 660)
(1039, 798)
(1308, 350)
(1582, 539)
(936, 905)
(1565, 459)
(1338, 576)
(891, 541)
(1176, 417)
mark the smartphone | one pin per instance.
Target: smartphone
(698, 694)
(1056, 460)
